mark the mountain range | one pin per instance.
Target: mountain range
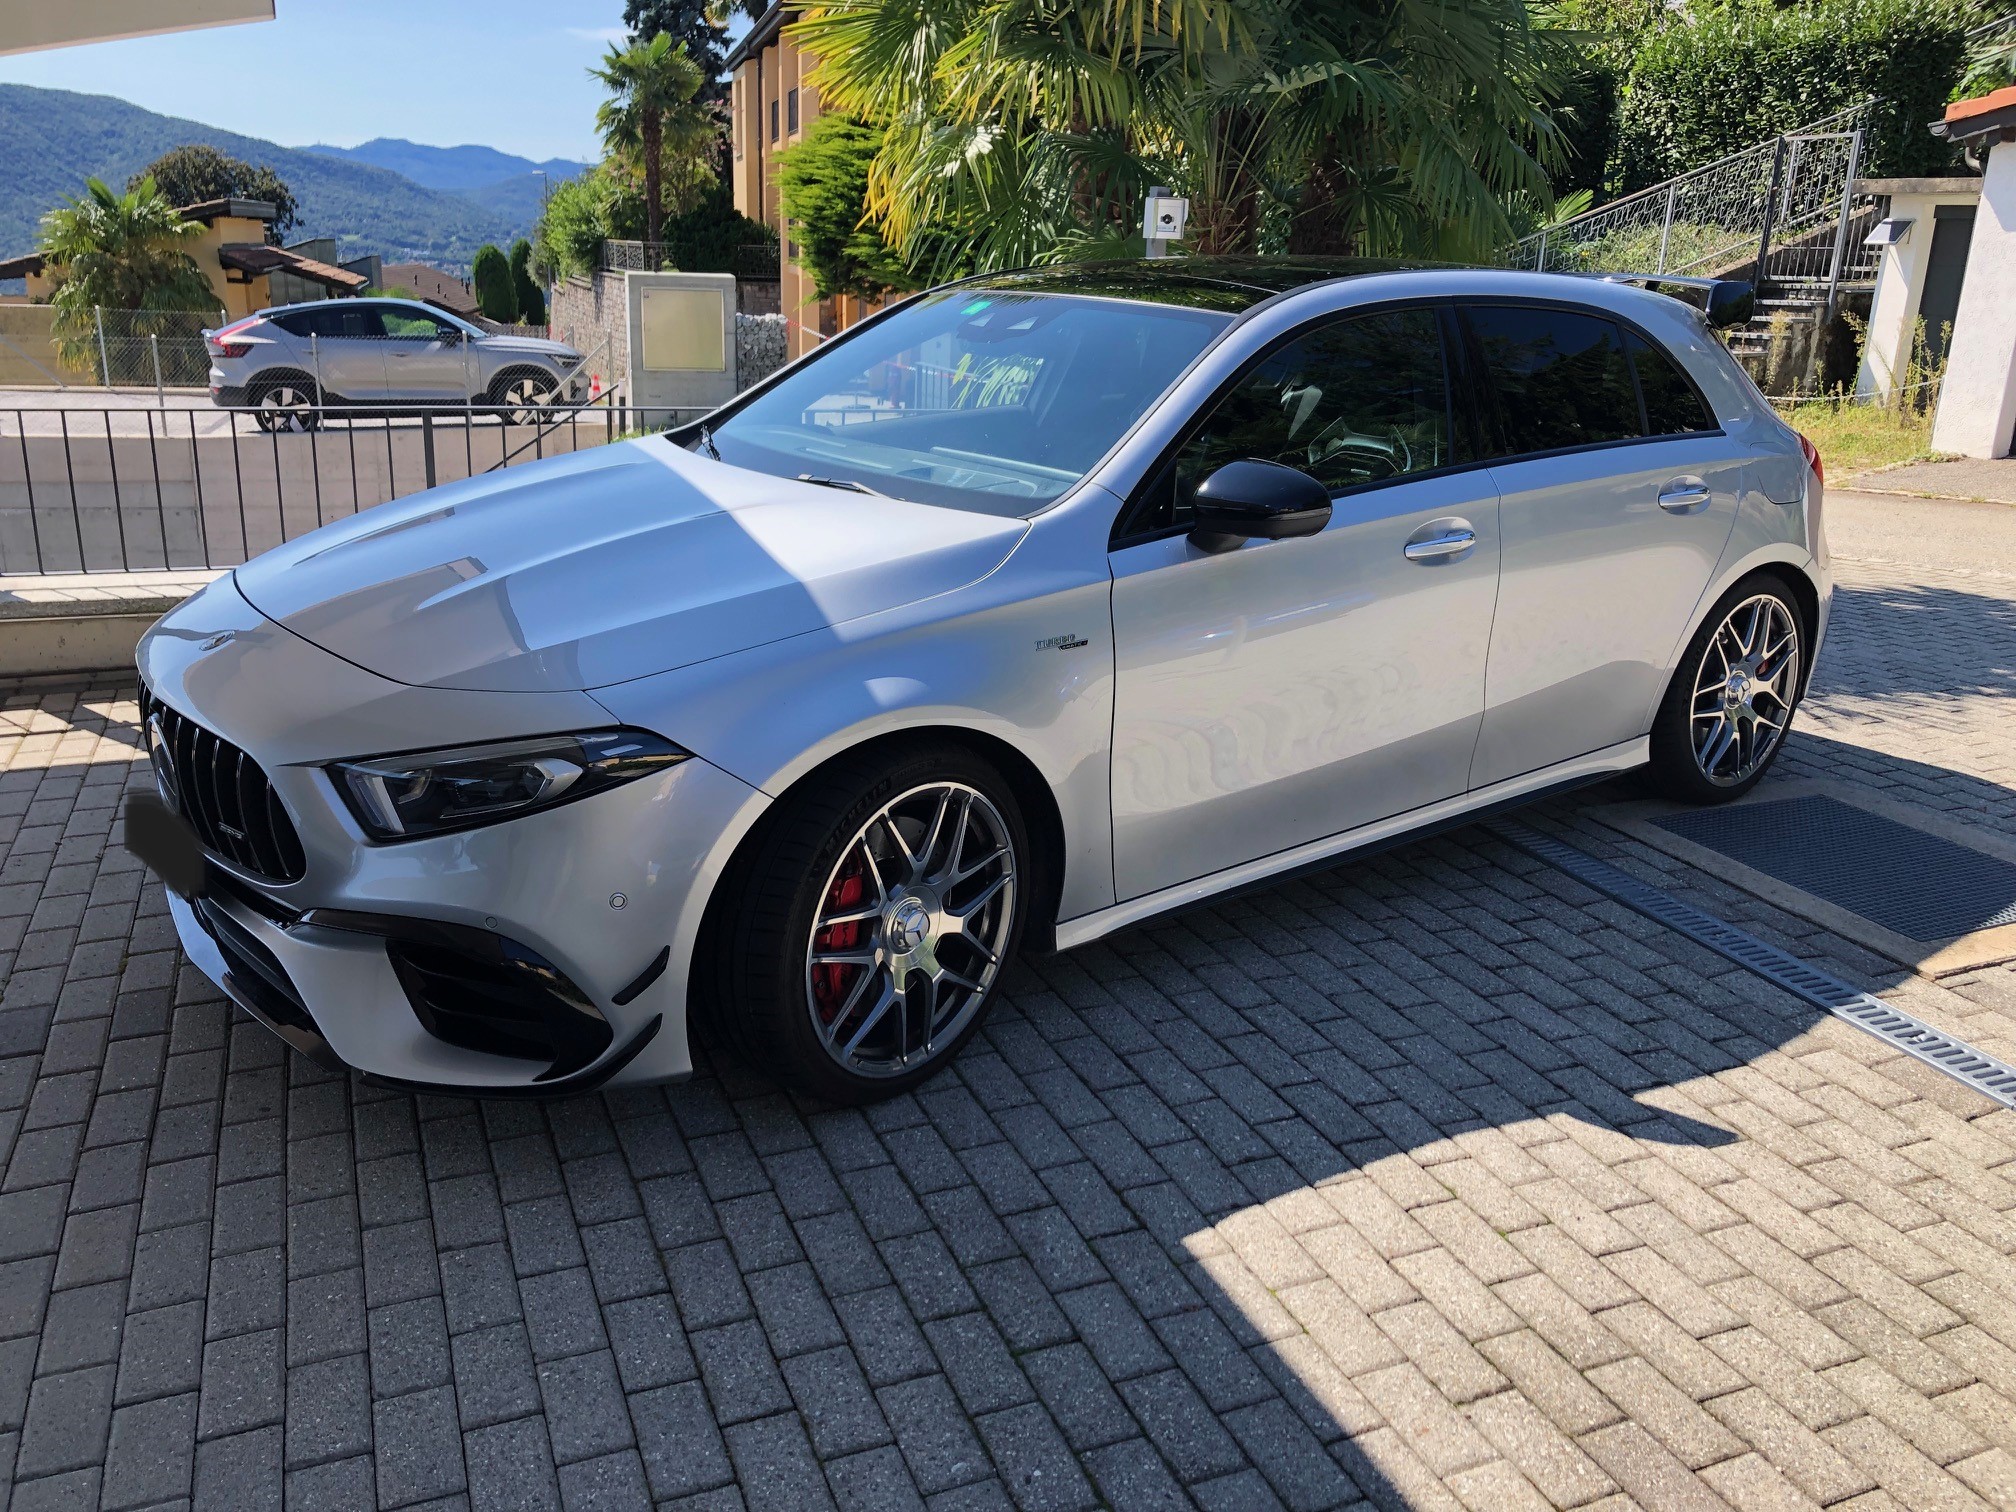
(401, 200)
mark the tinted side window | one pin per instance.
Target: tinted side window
(1561, 378)
(335, 322)
(1672, 405)
(1351, 403)
(404, 320)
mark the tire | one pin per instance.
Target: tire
(286, 404)
(840, 1028)
(1729, 707)
(524, 395)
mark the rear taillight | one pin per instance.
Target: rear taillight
(221, 346)
(1813, 460)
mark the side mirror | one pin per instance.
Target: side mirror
(1257, 501)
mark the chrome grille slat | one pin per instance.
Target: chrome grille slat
(220, 789)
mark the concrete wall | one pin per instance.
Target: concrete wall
(1977, 401)
(1900, 277)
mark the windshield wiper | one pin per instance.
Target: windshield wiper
(707, 440)
(847, 483)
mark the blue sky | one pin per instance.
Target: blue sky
(509, 74)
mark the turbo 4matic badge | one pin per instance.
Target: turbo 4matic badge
(1062, 643)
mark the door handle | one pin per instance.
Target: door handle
(1684, 496)
(1448, 543)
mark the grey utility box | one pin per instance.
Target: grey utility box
(682, 340)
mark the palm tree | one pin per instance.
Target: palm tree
(120, 252)
(1032, 126)
(654, 120)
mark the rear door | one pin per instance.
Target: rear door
(1617, 492)
(341, 341)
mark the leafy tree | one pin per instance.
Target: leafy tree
(530, 298)
(491, 274)
(655, 122)
(195, 173)
(824, 186)
(691, 22)
(120, 252)
(604, 202)
(1023, 130)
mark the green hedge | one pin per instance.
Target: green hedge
(1729, 79)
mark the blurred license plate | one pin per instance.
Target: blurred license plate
(165, 844)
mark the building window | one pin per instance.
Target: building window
(773, 120)
(791, 112)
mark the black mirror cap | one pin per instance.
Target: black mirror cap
(1251, 500)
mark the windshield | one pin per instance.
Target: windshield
(984, 400)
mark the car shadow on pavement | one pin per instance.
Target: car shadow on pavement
(1331, 1183)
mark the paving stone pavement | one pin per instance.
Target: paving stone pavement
(1434, 1181)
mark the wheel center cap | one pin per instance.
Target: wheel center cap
(908, 924)
(1737, 692)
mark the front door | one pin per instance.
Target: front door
(345, 348)
(425, 357)
(1614, 512)
(1285, 691)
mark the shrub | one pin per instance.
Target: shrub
(531, 298)
(824, 186)
(491, 274)
(1727, 79)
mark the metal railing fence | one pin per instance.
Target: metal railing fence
(1779, 209)
(104, 348)
(138, 489)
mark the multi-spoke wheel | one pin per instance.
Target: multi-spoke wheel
(1731, 701)
(861, 936)
(287, 405)
(523, 396)
(910, 934)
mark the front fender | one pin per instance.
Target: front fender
(1025, 657)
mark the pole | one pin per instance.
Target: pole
(104, 362)
(315, 361)
(1840, 254)
(1666, 226)
(427, 443)
(154, 345)
(1770, 212)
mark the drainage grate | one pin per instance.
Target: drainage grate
(1911, 883)
(1956, 1058)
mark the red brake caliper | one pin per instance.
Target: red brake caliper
(830, 979)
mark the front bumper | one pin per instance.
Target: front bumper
(544, 955)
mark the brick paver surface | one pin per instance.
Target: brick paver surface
(1434, 1180)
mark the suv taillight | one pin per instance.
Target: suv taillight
(1813, 460)
(221, 347)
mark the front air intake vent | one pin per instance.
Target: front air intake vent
(223, 793)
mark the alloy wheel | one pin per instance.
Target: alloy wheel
(525, 401)
(1743, 690)
(286, 407)
(911, 931)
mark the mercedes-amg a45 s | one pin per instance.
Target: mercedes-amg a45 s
(1024, 610)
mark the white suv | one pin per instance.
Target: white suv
(288, 364)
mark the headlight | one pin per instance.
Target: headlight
(429, 792)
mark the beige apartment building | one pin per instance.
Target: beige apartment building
(771, 105)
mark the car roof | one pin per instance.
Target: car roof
(1231, 284)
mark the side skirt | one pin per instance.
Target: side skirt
(1317, 855)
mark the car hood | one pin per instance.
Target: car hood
(609, 564)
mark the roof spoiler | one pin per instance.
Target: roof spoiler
(1725, 301)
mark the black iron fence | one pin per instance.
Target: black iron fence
(142, 488)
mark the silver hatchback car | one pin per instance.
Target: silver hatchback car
(1025, 610)
(289, 362)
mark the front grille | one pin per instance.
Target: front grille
(224, 795)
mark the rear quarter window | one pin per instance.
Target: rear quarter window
(1557, 378)
(1673, 406)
